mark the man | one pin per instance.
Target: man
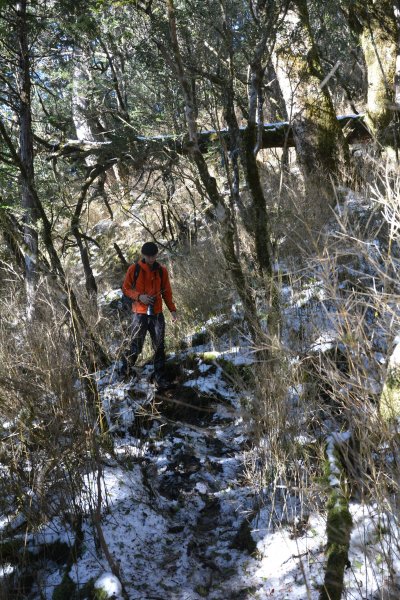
(147, 284)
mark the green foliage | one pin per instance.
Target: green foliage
(100, 595)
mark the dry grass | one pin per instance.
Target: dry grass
(308, 393)
(50, 432)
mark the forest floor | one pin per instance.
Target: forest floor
(182, 517)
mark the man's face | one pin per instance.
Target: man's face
(150, 260)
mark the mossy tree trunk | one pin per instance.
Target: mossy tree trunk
(262, 227)
(378, 40)
(339, 522)
(339, 525)
(320, 144)
(375, 24)
(247, 145)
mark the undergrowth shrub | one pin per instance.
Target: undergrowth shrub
(331, 380)
(51, 435)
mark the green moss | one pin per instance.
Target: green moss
(99, 594)
(242, 372)
(202, 591)
(338, 527)
(209, 357)
(238, 373)
(389, 406)
(228, 367)
(339, 522)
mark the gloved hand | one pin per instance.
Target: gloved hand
(146, 299)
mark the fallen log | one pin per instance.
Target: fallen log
(275, 135)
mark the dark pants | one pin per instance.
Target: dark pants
(155, 325)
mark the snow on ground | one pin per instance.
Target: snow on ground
(290, 564)
(176, 496)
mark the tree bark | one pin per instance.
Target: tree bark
(9, 225)
(222, 211)
(377, 26)
(379, 43)
(319, 141)
(275, 102)
(251, 141)
(84, 132)
(397, 73)
(26, 155)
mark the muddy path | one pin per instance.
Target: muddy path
(192, 442)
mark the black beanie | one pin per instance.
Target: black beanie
(149, 249)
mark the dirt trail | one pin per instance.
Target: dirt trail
(192, 469)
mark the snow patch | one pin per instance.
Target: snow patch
(110, 584)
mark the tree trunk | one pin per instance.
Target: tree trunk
(26, 156)
(84, 132)
(275, 102)
(379, 43)
(262, 228)
(252, 140)
(275, 107)
(397, 73)
(8, 225)
(377, 26)
(222, 211)
(319, 141)
(338, 526)
(92, 351)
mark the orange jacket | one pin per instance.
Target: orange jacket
(148, 282)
